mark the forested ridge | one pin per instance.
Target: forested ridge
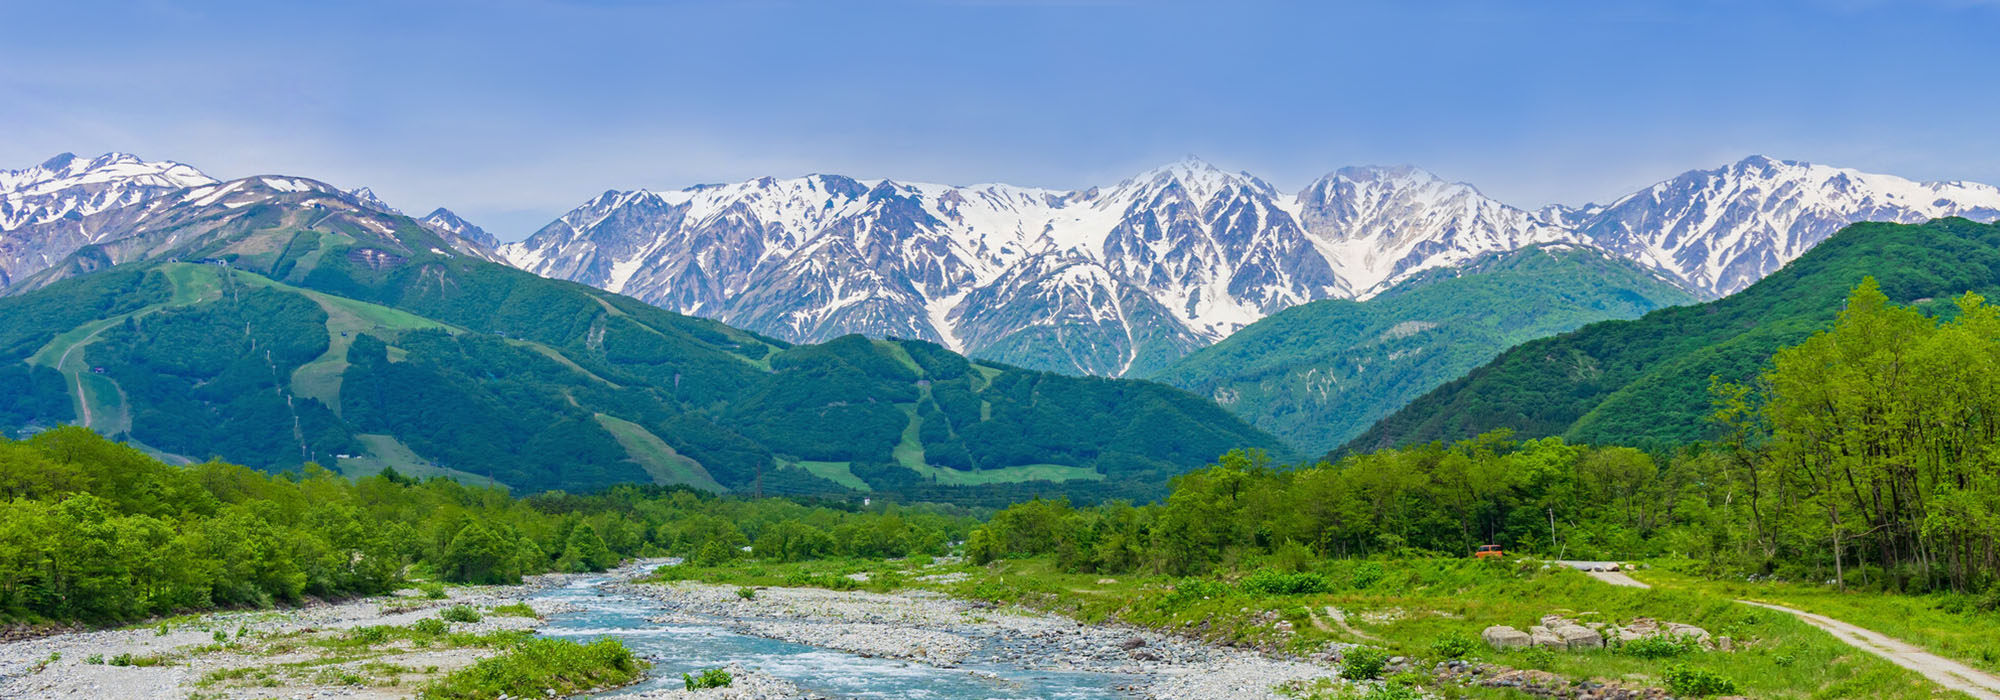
(1646, 381)
(361, 342)
(1319, 373)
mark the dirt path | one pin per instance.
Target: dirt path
(1945, 672)
(82, 397)
(1606, 571)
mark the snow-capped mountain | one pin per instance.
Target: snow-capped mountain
(367, 197)
(1720, 230)
(238, 219)
(446, 221)
(46, 211)
(1377, 225)
(52, 210)
(1116, 280)
(1123, 279)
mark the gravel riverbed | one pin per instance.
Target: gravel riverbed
(931, 628)
(268, 654)
(183, 651)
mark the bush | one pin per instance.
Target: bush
(1269, 582)
(711, 678)
(1697, 682)
(746, 593)
(1659, 647)
(430, 627)
(433, 591)
(540, 668)
(1191, 588)
(514, 610)
(460, 613)
(1365, 574)
(1456, 645)
(1360, 663)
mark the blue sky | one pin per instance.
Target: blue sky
(512, 112)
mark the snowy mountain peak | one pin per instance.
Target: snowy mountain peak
(59, 161)
(68, 186)
(1720, 230)
(448, 222)
(367, 197)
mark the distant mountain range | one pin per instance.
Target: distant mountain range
(1130, 280)
(68, 204)
(1124, 280)
(275, 321)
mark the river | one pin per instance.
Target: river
(593, 611)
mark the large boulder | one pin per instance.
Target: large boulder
(1544, 637)
(1504, 637)
(1579, 637)
(1675, 629)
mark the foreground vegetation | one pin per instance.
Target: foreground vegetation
(1426, 609)
(94, 530)
(1865, 455)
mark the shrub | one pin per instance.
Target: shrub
(540, 668)
(460, 613)
(1365, 574)
(137, 661)
(1196, 589)
(746, 593)
(1269, 582)
(370, 635)
(1456, 645)
(433, 591)
(1697, 682)
(1659, 647)
(430, 626)
(711, 678)
(1359, 663)
(514, 610)
(1393, 691)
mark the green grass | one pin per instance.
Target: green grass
(1010, 475)
(837, 472)
(659, 459)
(1970, 635)
(386, 451)
(1415, 607)
(1428, 609)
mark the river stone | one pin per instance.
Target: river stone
(1580, 637)
(1675, 629)
(1544, 637)
(1504, 637)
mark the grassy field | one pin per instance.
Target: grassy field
(1962, 627)
(659, 459)
(1425, 609)
(385, 451)
(837, 472)
(909, 452)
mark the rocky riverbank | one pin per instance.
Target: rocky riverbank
(931, 628)
(257, 654)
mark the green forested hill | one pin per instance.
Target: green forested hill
(285, 331)
(1317, 374)
(1647, 380)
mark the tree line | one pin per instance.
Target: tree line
(95, 530)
